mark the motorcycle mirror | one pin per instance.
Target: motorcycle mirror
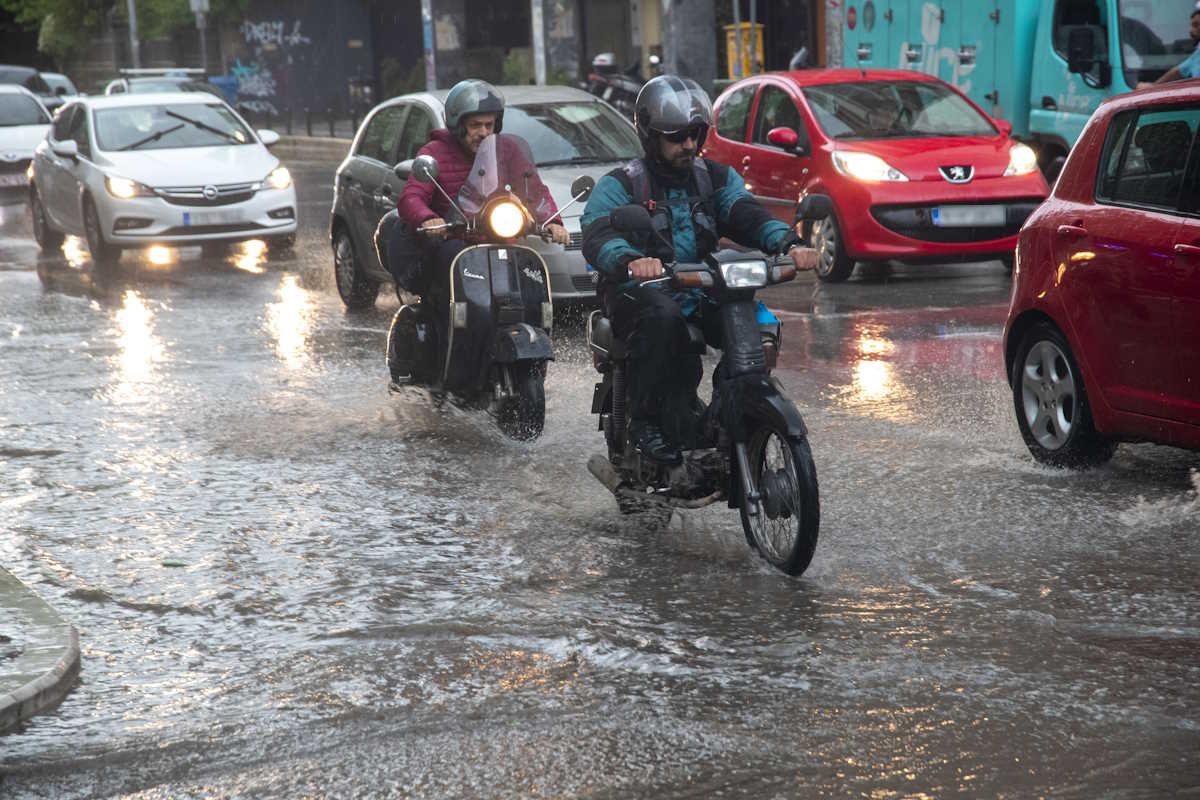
(814, 206)
(425, 168)
(631, 219)
(582, 187)
(404, 169)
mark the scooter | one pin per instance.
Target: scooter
(619, 89)
(750, 446)
(493, 351)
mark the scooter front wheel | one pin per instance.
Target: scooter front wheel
(784, 531)
(524, 415)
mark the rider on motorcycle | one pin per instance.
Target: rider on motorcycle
(474, 110)
(693, 202)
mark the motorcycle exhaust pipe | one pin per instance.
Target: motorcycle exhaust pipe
(603, 471)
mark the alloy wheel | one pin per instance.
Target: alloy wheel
(1048, 394)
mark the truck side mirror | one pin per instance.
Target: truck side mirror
(1081, 50)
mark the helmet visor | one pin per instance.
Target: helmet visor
(676, 105)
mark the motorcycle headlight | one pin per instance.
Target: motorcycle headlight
(506, 219)
(1021, 160)
(744, 274)
(125, 188)
(279, 178)
(865, 167)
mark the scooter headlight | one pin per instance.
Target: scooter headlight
(506, 219)
(745, 274)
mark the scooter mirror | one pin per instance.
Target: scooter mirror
(425, 168)
(631, 219)
(814, 206)
(582, 187)
(404, 169)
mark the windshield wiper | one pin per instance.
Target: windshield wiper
(560, 162)
(204, 126)
(154, 137)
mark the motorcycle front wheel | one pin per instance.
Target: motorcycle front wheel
(524, 415)
(782, 470)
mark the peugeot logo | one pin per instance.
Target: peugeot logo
(210, 192)
(957, 174)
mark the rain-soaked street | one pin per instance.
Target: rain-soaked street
(289, 583)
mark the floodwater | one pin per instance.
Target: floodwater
(289, 583)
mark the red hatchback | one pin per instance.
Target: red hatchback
(1102, 341)
(916, 171)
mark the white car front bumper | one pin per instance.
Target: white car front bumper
(242, 215)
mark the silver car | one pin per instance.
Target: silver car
(570, 132)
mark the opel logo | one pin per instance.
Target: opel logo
(210, 192)
(11, 156)
(958, 174)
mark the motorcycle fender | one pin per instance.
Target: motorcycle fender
(522, 342)
(770, 405)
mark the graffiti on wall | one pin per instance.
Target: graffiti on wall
(272, 47)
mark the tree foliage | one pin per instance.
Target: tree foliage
(65, 26)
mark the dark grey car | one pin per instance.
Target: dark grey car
(570, 132)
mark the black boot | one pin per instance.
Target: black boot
(652, 444)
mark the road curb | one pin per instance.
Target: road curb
(48, 689)
(301, 148)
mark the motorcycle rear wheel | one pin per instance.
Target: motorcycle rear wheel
(524, 416)
(783, 472)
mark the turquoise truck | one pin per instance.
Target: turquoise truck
(1042, 65)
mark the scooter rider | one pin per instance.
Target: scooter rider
(474, 110)
(693, 202)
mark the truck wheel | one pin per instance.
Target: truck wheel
(834, 266)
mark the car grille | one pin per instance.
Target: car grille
(187, 230)
(227, 194)
(916, 222)
(9, 167)
(576, 241)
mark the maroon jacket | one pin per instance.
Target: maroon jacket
(420, 201)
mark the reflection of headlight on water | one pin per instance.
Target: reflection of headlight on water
(250, 255)
(159, 255)
(506, 220)
(74, 251)
(290, 322)
(873, 379)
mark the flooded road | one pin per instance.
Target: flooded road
(288, 583)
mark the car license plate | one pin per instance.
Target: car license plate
(211, 217)
(15, 179)
(968, 216)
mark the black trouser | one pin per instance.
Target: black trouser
(663, 375)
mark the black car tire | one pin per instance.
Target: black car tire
(833, 264)
(356, 289)
(43, 232)
(102, 252)
(1051, 403)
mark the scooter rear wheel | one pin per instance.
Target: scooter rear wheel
(524, 416)
(782, 470)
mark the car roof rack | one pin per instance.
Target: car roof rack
(163, 72)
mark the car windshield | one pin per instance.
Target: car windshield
(1154, 37)
(572, 132)
(18, 109)
(56, 83)
(894, 109)
(168, 126)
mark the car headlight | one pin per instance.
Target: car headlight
(506, 219)
(125, 188)
(865, 167)
(745, 274)
(1021, 160)
(279, 178)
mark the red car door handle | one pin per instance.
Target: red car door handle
(745, 161)
(1072, 230)
(1187, 250)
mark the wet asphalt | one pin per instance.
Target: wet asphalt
(289, 583)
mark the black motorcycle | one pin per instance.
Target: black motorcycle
(493, 350)
(619, 89)
(749, 446)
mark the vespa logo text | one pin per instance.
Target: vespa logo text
(957, 174)
(468, 274)
(533, 276)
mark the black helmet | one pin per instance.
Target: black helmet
(472, 96)
(605, 64)
(667, 104)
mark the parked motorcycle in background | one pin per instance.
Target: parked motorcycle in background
(619, 89)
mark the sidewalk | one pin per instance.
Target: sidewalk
(39, 654)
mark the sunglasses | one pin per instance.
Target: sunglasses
(679, 137)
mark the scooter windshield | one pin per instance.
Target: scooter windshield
(504, 162)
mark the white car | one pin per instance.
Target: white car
(165, 169)
(23, 123)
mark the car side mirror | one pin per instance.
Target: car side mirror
(582, 187)
(61, 91)
(788, 139)
(268, 137)
(1005, 126)
(1081, 50)
(814, 207)
(404, 169)
(631, 219)
(425, 168)
(68, 148)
